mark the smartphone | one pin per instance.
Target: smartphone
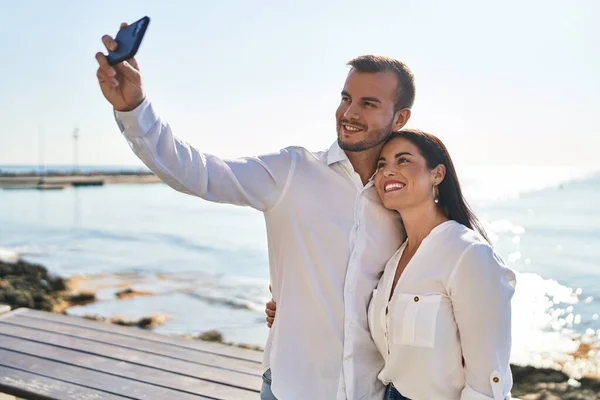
(128, 40)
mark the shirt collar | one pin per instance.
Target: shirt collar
(372, 178)
(336, 154)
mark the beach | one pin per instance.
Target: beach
(23, 284)
(200, 267)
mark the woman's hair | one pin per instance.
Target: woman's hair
(450, 196)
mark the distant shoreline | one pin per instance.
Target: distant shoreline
(60, 180)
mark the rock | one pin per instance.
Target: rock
(532, 383)
(250, 346)
(528, 375)
(589, 383)
(17, 298)
(211, 336)
(57, 283)
(583, 351)
(24, 284)
(151, 322)
(82, 298)
(148, 322)
(217, 337)
(129, 293)
(94, 317)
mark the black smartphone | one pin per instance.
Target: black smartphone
(128, 40)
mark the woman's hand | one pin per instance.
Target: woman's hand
(270, 310)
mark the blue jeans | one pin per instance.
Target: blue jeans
(265, 390)
(392, 394)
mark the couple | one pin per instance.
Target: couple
(369, 305)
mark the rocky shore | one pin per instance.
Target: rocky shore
(29, 285)
(532, 383)
(24, 284)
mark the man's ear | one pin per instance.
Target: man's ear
(400, 119)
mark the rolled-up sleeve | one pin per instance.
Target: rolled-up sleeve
(481, 288)
(257, 182)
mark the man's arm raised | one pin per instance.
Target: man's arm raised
(254, 181)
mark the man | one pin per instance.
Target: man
(328, 234)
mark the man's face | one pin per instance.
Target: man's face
(365, 116)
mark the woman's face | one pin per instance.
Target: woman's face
(403, 179)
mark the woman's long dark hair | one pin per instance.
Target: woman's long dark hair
(450, 197)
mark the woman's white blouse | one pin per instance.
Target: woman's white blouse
(446, 332)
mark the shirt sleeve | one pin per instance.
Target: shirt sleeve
(481, 288)
(257, 182)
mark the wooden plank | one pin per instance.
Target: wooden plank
(12, 313)
(34, 387)
(127, 342)
(78, 339)
(91, 379)
(197, 345)
(137, 365)
(157, 377)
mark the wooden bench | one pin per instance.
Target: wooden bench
(52, 356)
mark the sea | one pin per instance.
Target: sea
(207, 265)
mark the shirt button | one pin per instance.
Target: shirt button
(347, 358)
(350, 289)
(416, 299)
(496, 380)
(351, 323)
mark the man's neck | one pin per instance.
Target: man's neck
(364, 162)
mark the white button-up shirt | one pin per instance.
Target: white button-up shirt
(446, 331)
(329, 238)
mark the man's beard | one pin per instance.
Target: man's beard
(373, 139)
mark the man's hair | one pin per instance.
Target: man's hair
(405, 91)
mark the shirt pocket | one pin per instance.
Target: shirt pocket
(416, 319)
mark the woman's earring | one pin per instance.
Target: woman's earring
(436, 195)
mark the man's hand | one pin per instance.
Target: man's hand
(270, 311)
(121, 84)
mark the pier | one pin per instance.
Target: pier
(60, 181)
(56, 357)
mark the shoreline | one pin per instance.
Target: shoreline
(24, 284)
(60, 180)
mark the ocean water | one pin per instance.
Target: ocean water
(207, 263)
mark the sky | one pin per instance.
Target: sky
(501, 83)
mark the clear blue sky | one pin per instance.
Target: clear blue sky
(511, 82)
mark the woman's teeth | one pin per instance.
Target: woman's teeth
(393, 186)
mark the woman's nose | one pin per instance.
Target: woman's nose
(388, 171)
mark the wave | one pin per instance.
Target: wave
(227, 301)
(180, 241)
(9, 256)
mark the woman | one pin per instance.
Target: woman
(440, 314)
